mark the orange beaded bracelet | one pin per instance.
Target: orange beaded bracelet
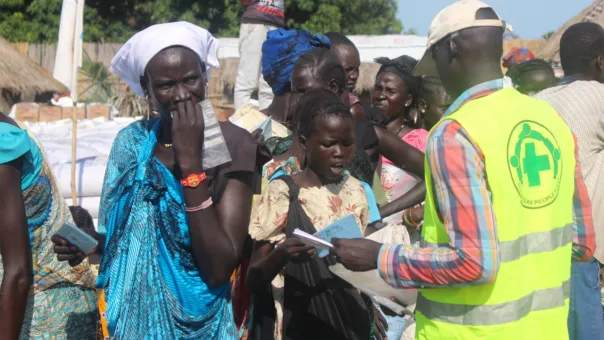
(193, 180)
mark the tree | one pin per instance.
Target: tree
(117, 20)
(114, 20)
(38, 21)
(368, 17)
(411, 31)
(548, 35)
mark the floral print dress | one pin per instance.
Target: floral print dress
(397, 182)
(323, 205)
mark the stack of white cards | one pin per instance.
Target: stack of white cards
(311, 240)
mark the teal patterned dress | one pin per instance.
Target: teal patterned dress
(62, 299)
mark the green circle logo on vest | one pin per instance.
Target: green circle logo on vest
(535, 164)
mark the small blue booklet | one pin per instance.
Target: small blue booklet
(267, 128)
(346, 227)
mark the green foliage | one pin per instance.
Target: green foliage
(38, 21)
(97, 79)
(411, 31)
(548, 35)
(117, 20)
(347, 16)
(11, 3)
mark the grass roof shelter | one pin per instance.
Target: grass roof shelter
(20, 77)
(593, 13)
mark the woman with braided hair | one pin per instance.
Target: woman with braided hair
(394, 94)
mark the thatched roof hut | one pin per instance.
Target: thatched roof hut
(593, 13)
(20, 76)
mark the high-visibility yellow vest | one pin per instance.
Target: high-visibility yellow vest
(529, 159)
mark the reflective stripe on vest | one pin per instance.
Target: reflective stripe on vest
(486, 315)
(535, 243)
(526, 244)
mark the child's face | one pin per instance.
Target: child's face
(303, 81)
(331, 147)
(434, 107)
(534, 82)
(351, 61)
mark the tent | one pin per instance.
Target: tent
(593, 13)
(20, 76)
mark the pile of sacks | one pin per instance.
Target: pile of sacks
(94, 140)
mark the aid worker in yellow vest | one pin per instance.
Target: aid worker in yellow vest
(506, 207)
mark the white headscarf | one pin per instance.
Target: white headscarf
(132, 59)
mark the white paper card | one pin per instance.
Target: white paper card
(311, 240)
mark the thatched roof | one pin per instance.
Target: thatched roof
(367, 74)
(534, 45)
(593, 13)
(20, 74)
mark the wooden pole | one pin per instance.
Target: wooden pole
(74, 132)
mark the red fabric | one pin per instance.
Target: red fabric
(517, 55)
(241, 296)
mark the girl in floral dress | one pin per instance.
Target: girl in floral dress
(295, 294)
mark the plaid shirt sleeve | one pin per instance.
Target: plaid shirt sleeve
(584, 237)
(461, 190)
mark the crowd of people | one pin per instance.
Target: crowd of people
(481, 191)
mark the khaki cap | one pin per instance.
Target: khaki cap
(458, 16)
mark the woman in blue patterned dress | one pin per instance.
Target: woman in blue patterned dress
(40, 297)
(171, 247)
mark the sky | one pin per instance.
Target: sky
(529, 18)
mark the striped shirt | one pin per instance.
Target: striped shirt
(464, 203)
(581, 104)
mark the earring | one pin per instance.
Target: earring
(413, 116)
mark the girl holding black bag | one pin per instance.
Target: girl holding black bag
(295, 294)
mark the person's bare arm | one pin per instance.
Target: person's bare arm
(405, 157)
(15, 251)
(414, 196)
(218, 233)
(399, 152)
(267, 260)
(265, 264)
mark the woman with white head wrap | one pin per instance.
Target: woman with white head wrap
(175, 231)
